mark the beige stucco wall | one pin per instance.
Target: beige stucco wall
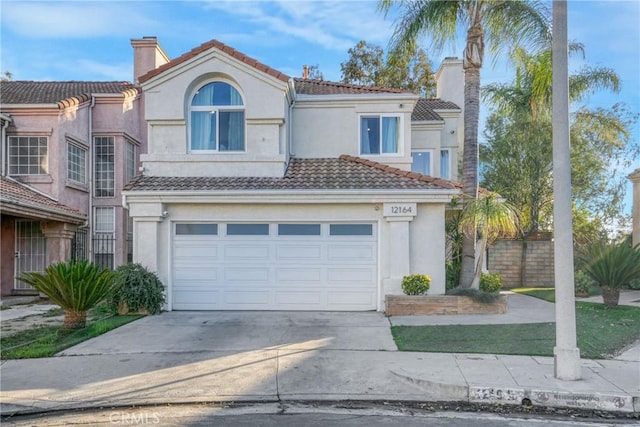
(329, 127)
(425, 238)
(167, 100)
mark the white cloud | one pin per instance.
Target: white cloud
(71, 19)
(334, 25)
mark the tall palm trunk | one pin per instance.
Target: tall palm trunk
(473, 57)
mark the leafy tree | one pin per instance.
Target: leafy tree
(6, 76)
(500, 23)
(517, 157)
(368, 66)
(489, 217)
(315, 73)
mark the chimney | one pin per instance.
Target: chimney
(305, 72)
(147, 56)
(450, 81)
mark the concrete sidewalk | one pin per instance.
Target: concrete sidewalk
(188, 357)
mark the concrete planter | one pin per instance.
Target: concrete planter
(123, 309)
(408, 305)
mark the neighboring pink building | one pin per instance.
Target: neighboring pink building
(68, 148)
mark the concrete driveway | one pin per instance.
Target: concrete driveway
(198, 331)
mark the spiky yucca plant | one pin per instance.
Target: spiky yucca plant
(611, 266)
(74, 286)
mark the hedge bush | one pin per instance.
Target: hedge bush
(491, 282)
(416, 284)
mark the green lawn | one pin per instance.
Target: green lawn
(601, 333)
(48, 340)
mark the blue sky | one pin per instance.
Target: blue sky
(89, 40)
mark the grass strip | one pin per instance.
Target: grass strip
(45, 341)
(602, 332)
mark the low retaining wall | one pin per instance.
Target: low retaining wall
(407, 305)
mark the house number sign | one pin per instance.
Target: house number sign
(400, 209)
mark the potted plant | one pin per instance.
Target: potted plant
(74, 286)
(611, 266)
(139, 291)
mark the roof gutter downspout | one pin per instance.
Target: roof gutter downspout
(5, 125)
(90, 174)
(290, 124)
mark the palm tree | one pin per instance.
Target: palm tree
(491, 218)
(501, 23)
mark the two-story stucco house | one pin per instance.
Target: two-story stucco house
(68, 148)
(264, 192)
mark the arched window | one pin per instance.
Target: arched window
(217, 118)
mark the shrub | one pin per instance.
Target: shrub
(491, 282)
(74, 286)
(634, 284)
(583, 282)
(452, 274)
(475, 294)
(416, 284)
(138, 288)
(611, 266)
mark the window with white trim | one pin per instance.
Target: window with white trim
(28, 155)
(217, 119)
(104, 166)
(421, 161)
(445, 164)
(379, 134)
(76, 163)
(129, 161)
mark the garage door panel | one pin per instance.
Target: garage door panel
(303, 274)
(299, 252)
(344, 252)
(246, 298)
(254, 252)
(247, 275)
(296, 298)
(351, 275)
(196, 252)
(197, 273)
(197, 297)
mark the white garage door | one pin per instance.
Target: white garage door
(274, 266)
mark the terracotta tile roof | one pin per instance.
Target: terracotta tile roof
(222, 47)
(323, 87)
(64, 94)
(344, 173)
(18, 198)
(424, 109)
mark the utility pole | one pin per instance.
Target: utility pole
(566, 353)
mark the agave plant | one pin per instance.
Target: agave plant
(611, 266)
(74, 286)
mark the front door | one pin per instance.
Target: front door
(31, 251)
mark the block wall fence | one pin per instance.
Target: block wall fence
(505, 257)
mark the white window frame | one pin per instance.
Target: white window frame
(129, 160)
(70, 145)
(112, 223)
(425, 150)
(447, 150)
(400, 141)
(99, 181)
(216, 109)
(17, 158)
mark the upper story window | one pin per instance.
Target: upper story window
(445, 164)
(28, 155)
(76, 163)
(421, 161)
(129, 161)
(104, 166)
(217, 118)
(379, 134)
